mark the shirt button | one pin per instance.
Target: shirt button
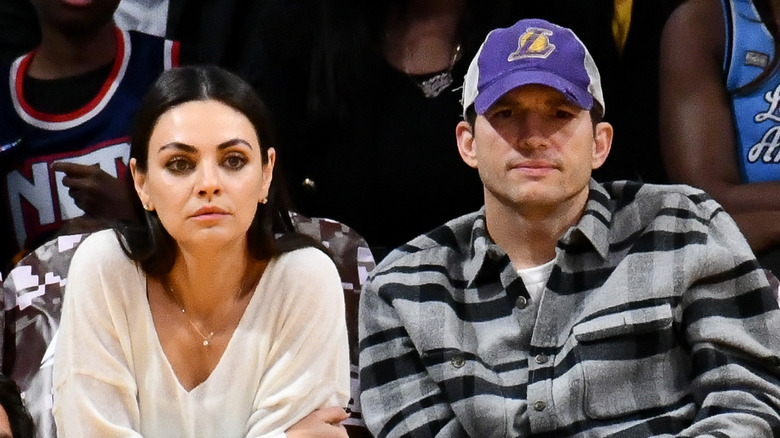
(458, 361)
(539, 405)
(542, 358)
(522, 303)
(309, 185)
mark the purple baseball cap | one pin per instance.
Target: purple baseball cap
(532, 51)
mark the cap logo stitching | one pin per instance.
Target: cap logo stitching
(533, 43)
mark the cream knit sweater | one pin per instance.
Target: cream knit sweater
(288, 356)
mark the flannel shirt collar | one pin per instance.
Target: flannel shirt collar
(487, 258)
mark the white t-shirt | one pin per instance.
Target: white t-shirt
(288, 356)
(535, 279)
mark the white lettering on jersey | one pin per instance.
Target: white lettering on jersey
(42, 195)
(773, 99)
(36, 192)
(767, 149)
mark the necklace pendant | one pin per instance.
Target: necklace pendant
(206, 342)
(434, 86)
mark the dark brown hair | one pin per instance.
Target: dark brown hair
(145, 240)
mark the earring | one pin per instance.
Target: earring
(264, 200)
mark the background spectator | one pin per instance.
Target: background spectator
(65, 114)
(367, 146)
(719, 122)
(624, 37)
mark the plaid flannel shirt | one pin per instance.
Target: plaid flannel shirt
(656, 321)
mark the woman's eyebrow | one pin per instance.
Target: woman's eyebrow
(192, 149)
(233, 142)
(180, 146)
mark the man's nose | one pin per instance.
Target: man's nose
(529, 130)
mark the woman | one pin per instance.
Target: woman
(719, 124)
(197, 322)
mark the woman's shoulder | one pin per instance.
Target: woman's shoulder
(101, 248)
(302, 254)
(301, 283)
(304, 269)
(306, 259)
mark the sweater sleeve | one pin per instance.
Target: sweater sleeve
(94, 388)
(308, 365)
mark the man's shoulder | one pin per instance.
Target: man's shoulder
(654, 198)
(446, 244)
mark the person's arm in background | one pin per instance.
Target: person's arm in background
(100, 195)
(697, 131)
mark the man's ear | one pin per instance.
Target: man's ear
(139, 182)
(602, 144)
(466, 145)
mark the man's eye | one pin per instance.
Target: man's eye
(179, 165)
(500, 114)
(234, 162)
(563, 114)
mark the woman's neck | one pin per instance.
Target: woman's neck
(202, 282)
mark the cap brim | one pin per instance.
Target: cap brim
(492, 92)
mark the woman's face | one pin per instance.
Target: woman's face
(205, 174)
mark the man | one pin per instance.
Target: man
(566, 308)
(65, 114)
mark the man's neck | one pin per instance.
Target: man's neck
(529, 235)
(61, 55)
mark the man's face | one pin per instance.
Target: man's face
(534, 149)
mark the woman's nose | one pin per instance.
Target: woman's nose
(209, 182)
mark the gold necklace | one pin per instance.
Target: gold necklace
(208, 337)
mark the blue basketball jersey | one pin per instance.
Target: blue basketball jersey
(34, 200)
(749, 49)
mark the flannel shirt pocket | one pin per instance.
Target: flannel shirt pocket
(631, 361)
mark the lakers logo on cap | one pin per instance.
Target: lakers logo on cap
(533, 43)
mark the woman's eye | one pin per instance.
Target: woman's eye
(234, 162)
(179, 165)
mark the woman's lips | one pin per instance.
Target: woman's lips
(209, 211)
